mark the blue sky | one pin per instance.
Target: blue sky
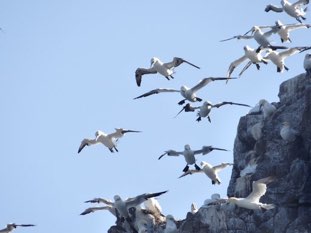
(67, 70)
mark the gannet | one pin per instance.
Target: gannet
(154, 207)
(11, 226)
(189, 155)
(157, 66)
(284, 30)
(209, 170)
(252, 200)
(186, 92)
(266, 108)
(307, 64)
(143, 220)
(278, 57)
(294, 10)
(214, 198)
(256, 130)
(287, 133)
(194, 208)
(260, 37)
(122, 206)
(253, 56)
(205, 108)
(108, 140)
(170, 226)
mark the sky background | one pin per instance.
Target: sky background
(67, 70)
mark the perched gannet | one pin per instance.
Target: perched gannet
(157, 66)
(188, 93)
(252, 200)
(266, 108)
(278, 57)
(287, 133)
(170, 226)
(153, 206)
(209, 170)
(194, 208)
(213, 200)
(307, 64)
(11, 226)
(108, 140)
(284, 30)
(143, 220)
(111, 209)
(260, 37)
(122, 206)
(256, 130)
(252, 55)
(205, 108)
(294, 10)
(189, 155)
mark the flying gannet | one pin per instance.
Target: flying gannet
(252, 200)
(209, 170)
(294, 10)
(253, 57)
(122, 206)
(278, 58)
(157, 66)
(206, 108)
(284, 30)
(186, 92)
(11, 226)
(189, 155)
(260, 37)
(307, 64)
(108, 140)
(94, 209)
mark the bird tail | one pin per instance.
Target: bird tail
(267, 206)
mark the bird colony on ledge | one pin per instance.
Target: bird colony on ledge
(130, 215)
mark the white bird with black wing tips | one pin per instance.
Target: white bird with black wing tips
(206, 107)
(278, 58)
(157, 66)
(189, 155)
(250, 55)
(284, 30)
(110, 208)
(186, 92)
(252, 200)
(108, 140)
(294, 10)
(11, 226)
(209, 170)
(122, 206)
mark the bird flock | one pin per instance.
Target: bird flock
(130, 215)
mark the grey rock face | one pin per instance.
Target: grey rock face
(289, 162)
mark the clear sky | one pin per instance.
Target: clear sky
(67, 70)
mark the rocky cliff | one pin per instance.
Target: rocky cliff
(260, 151)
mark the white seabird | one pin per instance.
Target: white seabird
(157, 66)
(252, 55)
(287, 133)
(186, 92)
(284, 30)
(189, 155)
(206, 108)
(122, 206)
(215, 199)
(294, 10)
(252, 200)
(278, 58)
(260, 37)
(194, 208)
(170, 226)
(266, 108)
(307, 64)
(154, 207)
(94, 209)
(11, 226)
(209, 170)
(108, 140)
(143, 220)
